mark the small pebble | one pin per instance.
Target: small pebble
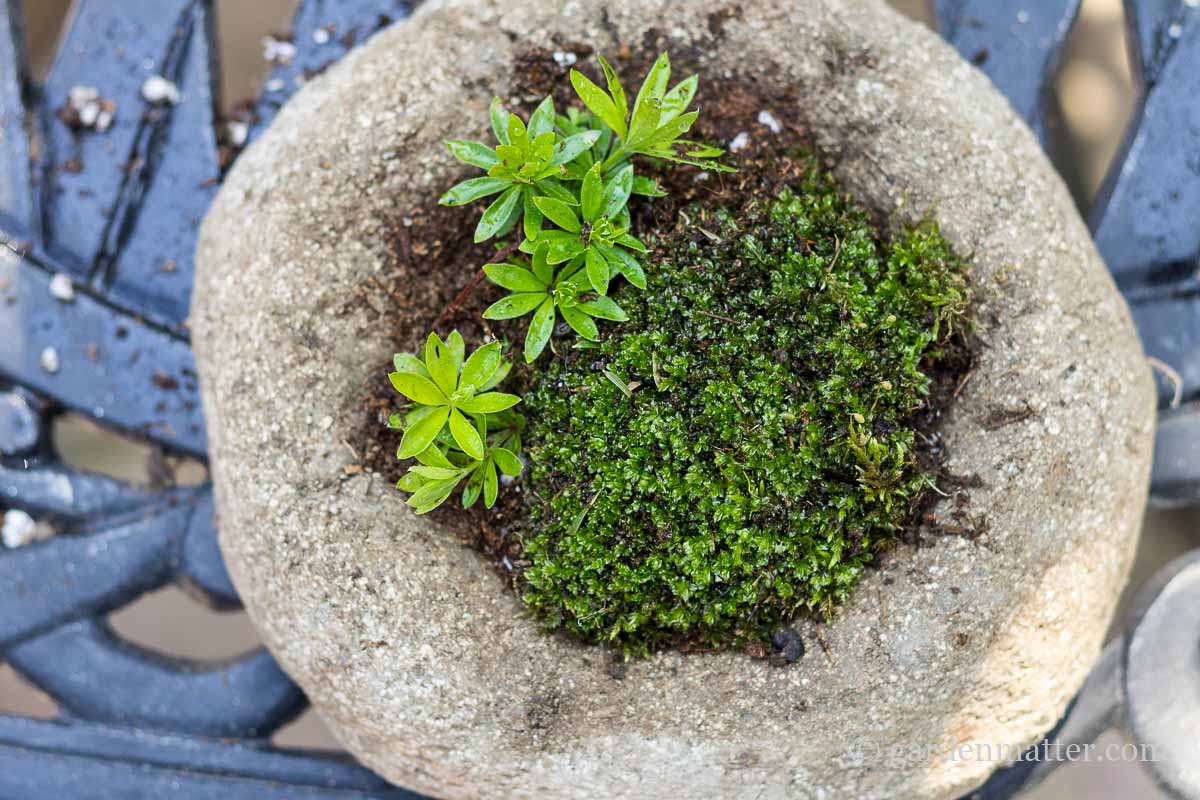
(274, 85)
(768, 119)
(87, 109)
(237, 132)
(19, 528)
(157, 90)
(739, 142)
(278, 51)
(564, 59)
(321, 36)
(1022, 16)
(49, 360)
(788, 644)
(61, 288)
(1175, 30)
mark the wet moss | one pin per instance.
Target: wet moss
(738, 451)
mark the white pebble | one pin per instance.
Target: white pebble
(321, 36)
(768, 119)
(80, 96)
(1175, 30)
(564, 59)
(237, 132)
(89, 114)
(61, 288)
(19, 528)
(274, 85)
(739, 142)
(157, 90)
(92, 110)
(50, 361)
(278, 51)
(1022, 16)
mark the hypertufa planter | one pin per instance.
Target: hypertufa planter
(407, 643)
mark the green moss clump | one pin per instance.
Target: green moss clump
(738, 451)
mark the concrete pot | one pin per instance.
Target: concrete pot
(407, 644)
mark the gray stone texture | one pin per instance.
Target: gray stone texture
(408, 645)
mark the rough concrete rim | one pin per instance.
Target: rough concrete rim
(405, 643)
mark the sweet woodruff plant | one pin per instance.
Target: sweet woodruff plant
(566, 181)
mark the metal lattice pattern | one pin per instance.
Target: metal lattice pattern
(117, 212)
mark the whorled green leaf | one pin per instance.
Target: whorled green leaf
(540, 328)
(590, 193)
(500, 374)
(490, 484)
(515, 305)
(559, 213)
(615, 90)
(542, 268)
(646, 108)
(561, 250)
(581, 323)
(668, 132)
(647, 187)
(542, 150)
(616, 191)
(472, 189)
(407, 362)
(632, 242)
(518, 134)
(436, 473)
(604, 308)
(499, 119)
(676, 101)
(626, 264)
(489, 403)
(552, 188)
(431, 495)
(434, 457)
(507, 461)
(655, 84)
(542, 119)
(598, 102)
(570, 148)
(472, 490)
(422, 434)
(458, 349)
(597, 270)
(439, 360)
(497, 214)
(417, 388)
(514, 278)
(480, 367)
(465, 435)
(532, 221)
(476, 154)
(410, 482)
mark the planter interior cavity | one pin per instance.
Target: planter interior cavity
(323, 251)
(766, 460)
